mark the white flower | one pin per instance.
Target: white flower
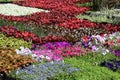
(17, 51)
(34, 55)
(101, 39)
(47, 57)
(16, 10)
(27, 50)
(107, 50)
(104, 53)
(42, 56)
(22, 48)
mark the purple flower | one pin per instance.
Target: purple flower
(85, 44)
(117, 52)
(111, 64)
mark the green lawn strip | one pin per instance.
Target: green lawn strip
(90, 71)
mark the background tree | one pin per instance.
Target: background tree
(100, 4)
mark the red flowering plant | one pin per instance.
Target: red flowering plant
(40, 18)
(28, 36)
(66, 6)
(63, 20)
(118, 40)
(79, 23)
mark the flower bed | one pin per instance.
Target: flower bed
(84, 44)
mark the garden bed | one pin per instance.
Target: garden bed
(59, 42)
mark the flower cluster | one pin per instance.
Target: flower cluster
(67, 6)
(57, 50)
(78, 23)
(28, 36)
(15, 10)
(45, 71)
(9, 60)
(111, 64)
(72, 35)
(25, 51)
(13, 42)
(101, 43)
(117, 52)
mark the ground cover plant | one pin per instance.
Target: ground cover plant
(55, 40)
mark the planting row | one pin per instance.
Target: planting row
(59, 19)
(28, 36)
(67, 7)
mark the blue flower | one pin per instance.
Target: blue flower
(42, 71)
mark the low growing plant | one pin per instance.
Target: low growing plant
(13, 42)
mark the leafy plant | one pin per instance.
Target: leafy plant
(13, 42)
(9, 60)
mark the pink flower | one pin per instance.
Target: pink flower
(58, 58)
(118, 40)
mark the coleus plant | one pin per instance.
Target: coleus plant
(10, 60)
